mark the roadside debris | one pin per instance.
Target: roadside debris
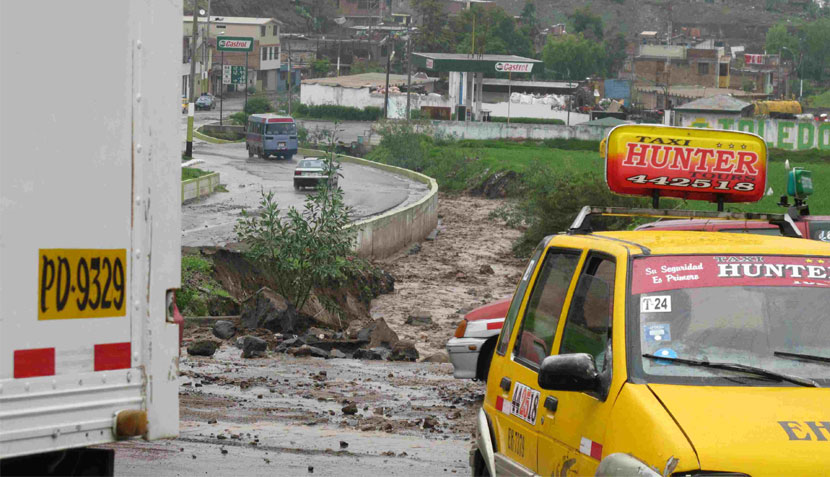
(202, 348)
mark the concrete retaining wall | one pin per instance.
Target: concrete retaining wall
(225, 128)
(200, 186)
(385, 234)
(476, 130)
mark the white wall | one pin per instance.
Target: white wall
(475, 130)
(778, 133)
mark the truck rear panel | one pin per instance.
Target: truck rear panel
(89, 220)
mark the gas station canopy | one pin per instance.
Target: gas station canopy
(447, 62)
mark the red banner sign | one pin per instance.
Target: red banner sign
(753, 59)
(689, 163)
(655, 274)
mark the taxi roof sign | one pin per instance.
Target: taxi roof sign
(688, 163)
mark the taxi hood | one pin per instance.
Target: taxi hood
(753, 430)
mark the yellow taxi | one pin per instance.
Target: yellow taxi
(662, 353)
(667, 352)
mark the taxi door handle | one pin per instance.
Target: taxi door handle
(551, 403)
(505, 384)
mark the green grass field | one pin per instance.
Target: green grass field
(192, 173)
(464, 164)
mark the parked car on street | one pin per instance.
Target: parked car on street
(471, 348)
(206, 101)
(310, 171)
(184, 104)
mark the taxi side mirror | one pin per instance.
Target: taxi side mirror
(569, 372)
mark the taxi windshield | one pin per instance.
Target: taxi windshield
(767, 312)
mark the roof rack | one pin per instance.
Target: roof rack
(582, 224)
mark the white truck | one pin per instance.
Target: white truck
(89, 229)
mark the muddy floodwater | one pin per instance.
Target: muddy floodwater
(293, 416)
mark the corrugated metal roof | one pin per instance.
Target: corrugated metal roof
(606, 122)
(234, 20)
(364, 80)
(530, 84)
(721, 102)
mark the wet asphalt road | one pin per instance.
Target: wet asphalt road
(282, 416)
(210, 221)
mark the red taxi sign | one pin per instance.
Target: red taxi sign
(689, 163)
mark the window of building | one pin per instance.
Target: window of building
(220, 27)
(703, 68)
(264, 53)
(276, 31)
(262, 30)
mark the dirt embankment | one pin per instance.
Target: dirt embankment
(470, 263)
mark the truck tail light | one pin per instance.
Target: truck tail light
(462, 328)
(298, 173)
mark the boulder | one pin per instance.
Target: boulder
(378, 333)
(336, 354)
(350, 409)
(294, 342)
(486, 270)
(419, 318)
(224, 330)
(439, 357)
(253, 347)
(268, 309)
(202, 348)
(306, 350)
(378, 354)
(404, 351)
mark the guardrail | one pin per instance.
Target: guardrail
(200, 186)
(383, 235)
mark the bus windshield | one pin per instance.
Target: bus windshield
(282, 129)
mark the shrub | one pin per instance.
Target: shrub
(239, 118)
(258, 105)
(403, 144)
(333, 112)
(302, 250)
(192, 173)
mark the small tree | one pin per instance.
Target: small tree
(302, 250)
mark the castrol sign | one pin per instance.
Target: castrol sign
(234, 43)
(688, 163)
(506, 67)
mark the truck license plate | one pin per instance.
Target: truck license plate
(281, 144)
(81, 283)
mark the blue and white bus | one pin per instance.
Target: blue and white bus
(271, 135)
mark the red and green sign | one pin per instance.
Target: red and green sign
(235, 43)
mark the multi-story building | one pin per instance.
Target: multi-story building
(263, 62)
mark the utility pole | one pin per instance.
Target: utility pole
(208, 54)
(408, 69)
(386, 91)
(288, 78)
(188, 151)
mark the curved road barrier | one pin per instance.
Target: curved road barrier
(383, 235)
(200, 186)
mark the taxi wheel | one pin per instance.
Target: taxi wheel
(484, 358)
(479, 467)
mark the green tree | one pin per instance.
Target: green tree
(573, 57)
(321, 67)
(493, 30)
(586, 22)
(778, 37)
(432, 36)
(815, 52)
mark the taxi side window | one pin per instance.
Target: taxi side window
(544, 307)
(518, 297)
(588, 325)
